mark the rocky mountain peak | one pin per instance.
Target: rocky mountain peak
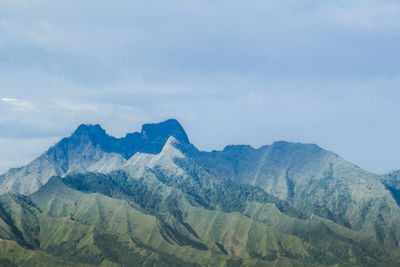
(151, 139)
(164, 130)
(89, 130)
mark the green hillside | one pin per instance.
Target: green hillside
(61, 225)
(286, 204)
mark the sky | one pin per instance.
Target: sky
(232, 72)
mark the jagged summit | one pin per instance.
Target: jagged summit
(151, 139)
(170, 127)
(92, 133)
(167, 128)
(89, 129)
(89, 144)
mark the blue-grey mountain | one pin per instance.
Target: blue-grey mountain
(153, 199)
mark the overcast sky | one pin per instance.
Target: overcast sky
(232, 72)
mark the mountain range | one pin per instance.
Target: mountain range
(152, 198)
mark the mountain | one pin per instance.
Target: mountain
(310, 178)
(153, 199)
(85, 147)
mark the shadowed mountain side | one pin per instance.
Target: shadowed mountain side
(151, 139)
(392, 183)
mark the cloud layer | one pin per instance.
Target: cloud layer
(232, 72)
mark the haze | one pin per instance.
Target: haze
(232, 72)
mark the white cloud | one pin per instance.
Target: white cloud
(71, 107)
(9, 100)
(19, 104)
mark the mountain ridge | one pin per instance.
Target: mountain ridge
(88, 143)
(243, 206)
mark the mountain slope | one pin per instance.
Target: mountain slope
(92, 228)
(86, 146)
(392, 183)
(313, 180)
(153, 198)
